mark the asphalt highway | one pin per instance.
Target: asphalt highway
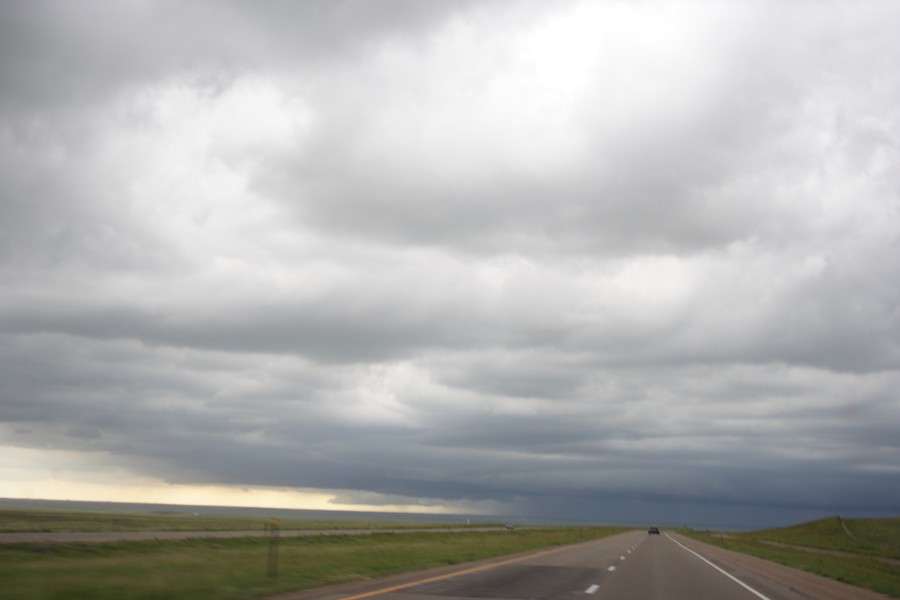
(633, 565)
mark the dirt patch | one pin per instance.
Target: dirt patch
(889, 561)
(845, 528)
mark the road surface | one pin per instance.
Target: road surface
(629, 566)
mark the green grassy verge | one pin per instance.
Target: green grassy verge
(868, 547)
(33, 521)
(872, 537)
(235, 569)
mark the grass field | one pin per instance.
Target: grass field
(861, 552)
(32, 521)
(234, 569)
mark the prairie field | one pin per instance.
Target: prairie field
(35, 521)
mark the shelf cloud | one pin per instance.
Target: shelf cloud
(605, 261)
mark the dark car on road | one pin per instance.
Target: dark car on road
(653, 530)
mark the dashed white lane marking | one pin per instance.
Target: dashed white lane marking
(722, 571)
(611, 568)
(629, 552)
(621, 558)
(592, 589)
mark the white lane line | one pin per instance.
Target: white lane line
(722, 571)
(592, 589)
(621, 558)
(611, 568)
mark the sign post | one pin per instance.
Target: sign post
(272, 528)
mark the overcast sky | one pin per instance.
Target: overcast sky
(629, 261)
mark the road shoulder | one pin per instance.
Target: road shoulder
(806, 584)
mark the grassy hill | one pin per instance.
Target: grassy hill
(871, 537)
(861, 552)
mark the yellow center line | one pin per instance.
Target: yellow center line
(404, 586)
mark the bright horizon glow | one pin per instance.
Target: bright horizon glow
(192, 495)
(32, 482)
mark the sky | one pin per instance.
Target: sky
(579, 261)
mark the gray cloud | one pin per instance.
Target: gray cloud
(498, 255)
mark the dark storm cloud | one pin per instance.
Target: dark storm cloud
(473, 255)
